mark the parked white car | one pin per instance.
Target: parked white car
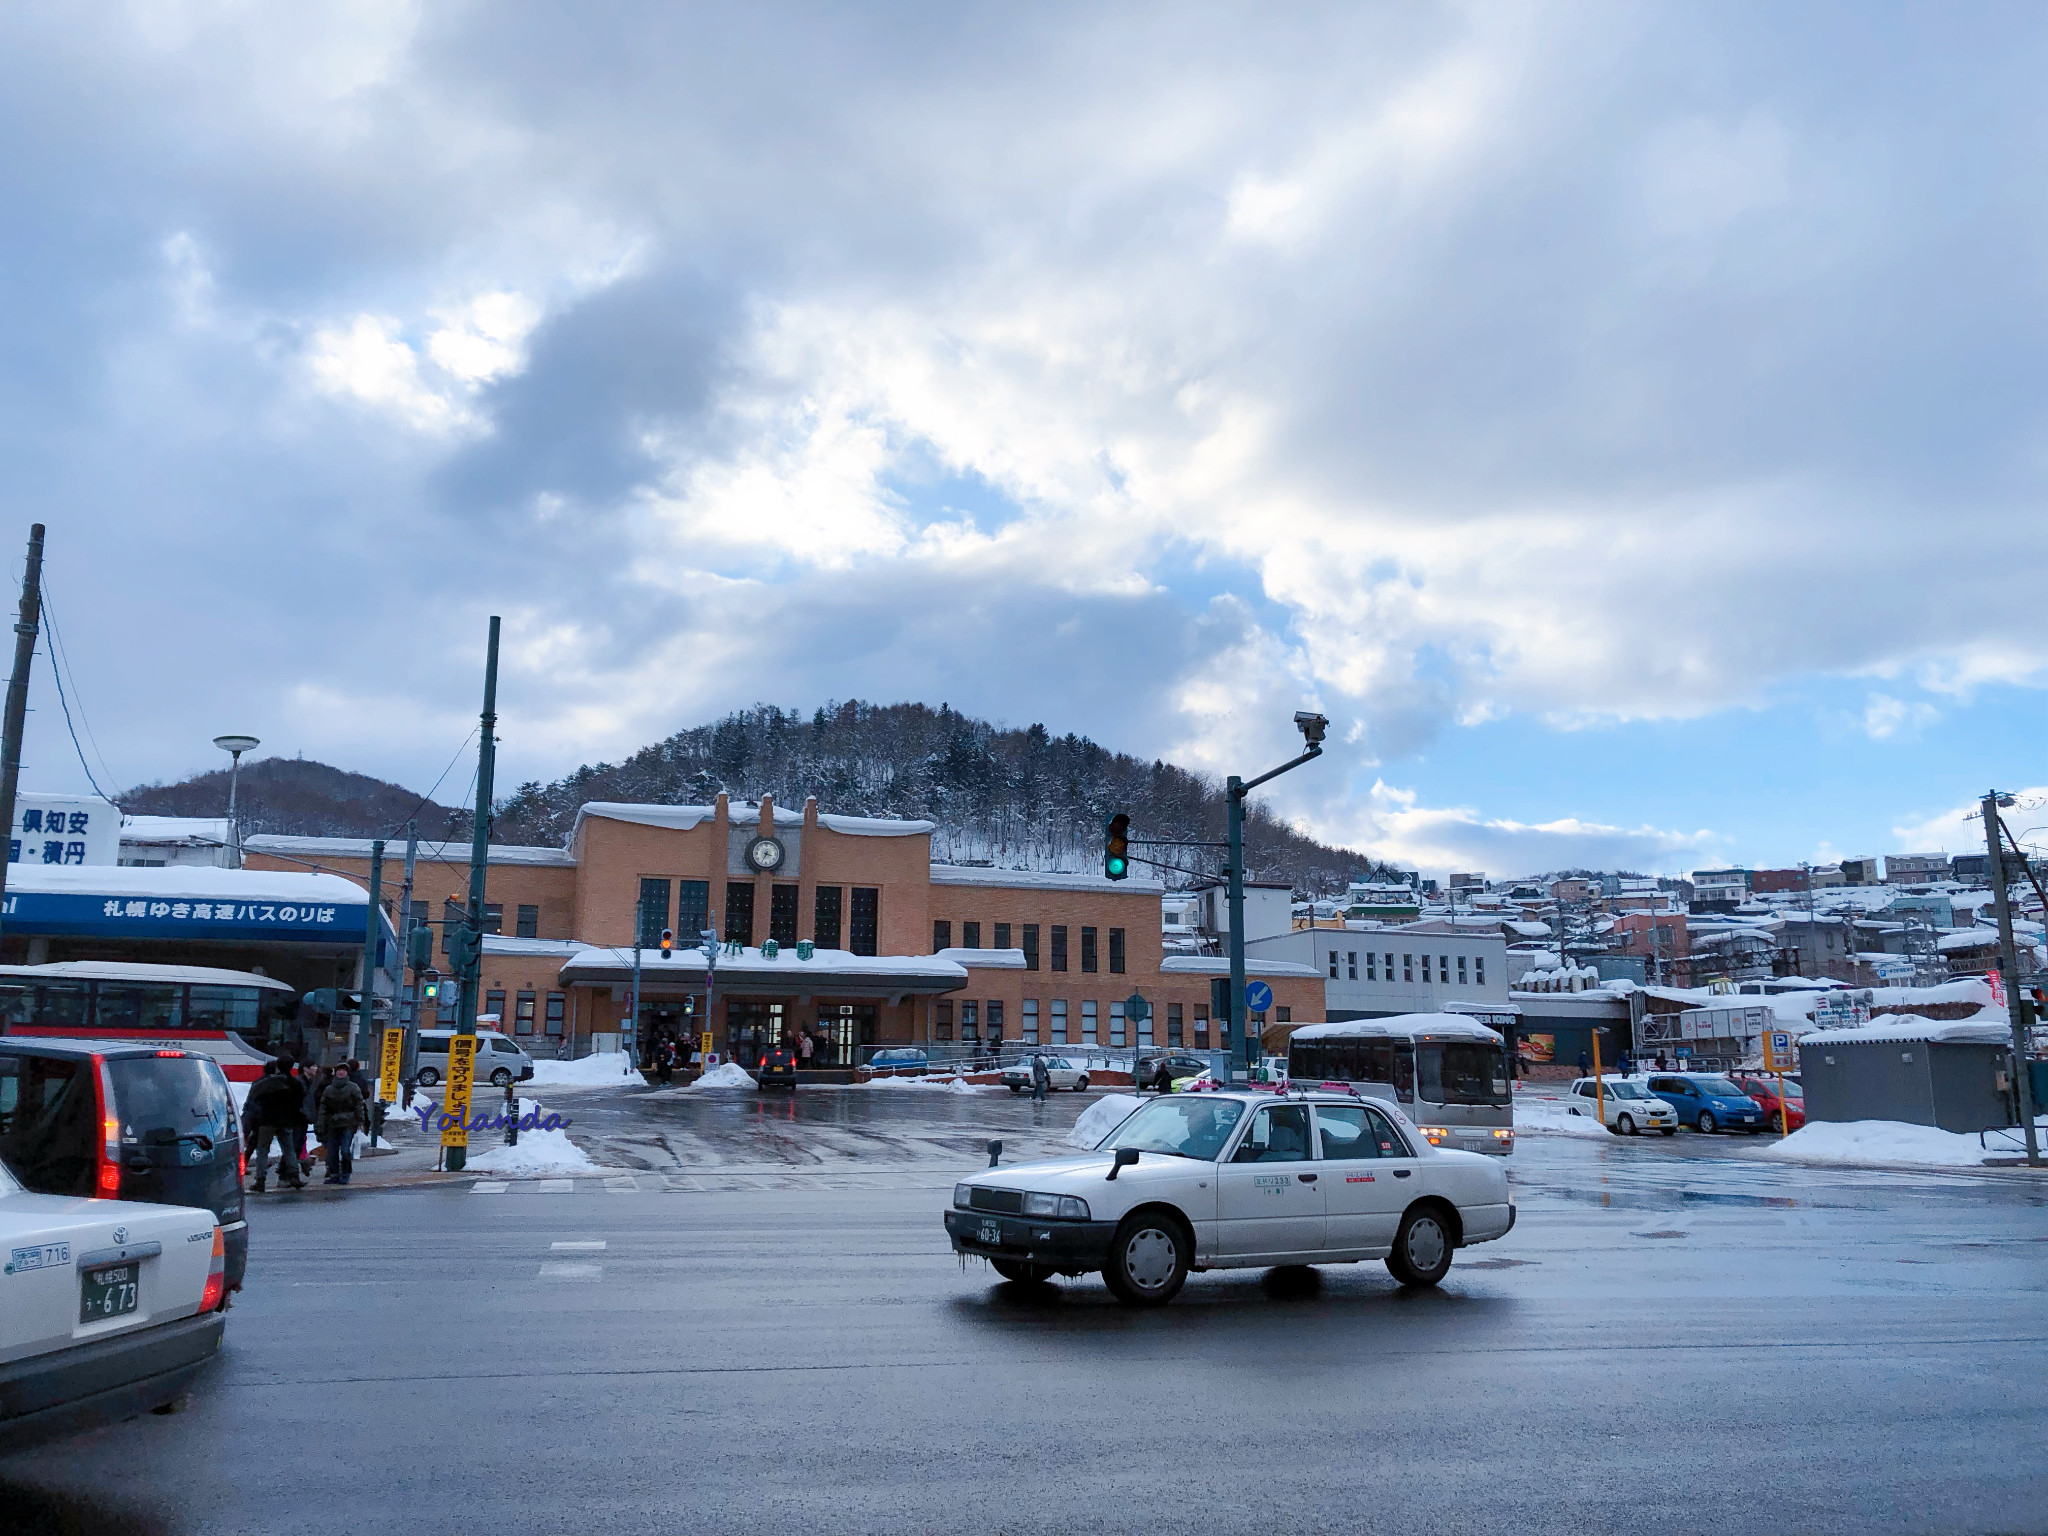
(1064, 1074)
(1228, 1180)
(1626, 1108)
(500, 1060)
(107, 1308)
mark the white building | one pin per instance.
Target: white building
(1373, 973)
(159, 842)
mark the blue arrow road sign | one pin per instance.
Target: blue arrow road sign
(1258, 997)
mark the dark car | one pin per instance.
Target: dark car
(1162, 1072)
(125, 1123)
(777, 1069)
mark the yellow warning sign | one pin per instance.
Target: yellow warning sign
(389, 1064)
(455, 1104)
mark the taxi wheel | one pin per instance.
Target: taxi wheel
(1022, 1273)
(1708, 1124)
(1148, 1260)
(1422, 1248)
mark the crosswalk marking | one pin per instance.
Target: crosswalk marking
(570, 1272)
(624, 1185)
(577, 1247)
(557, 1186)
(489, 1187)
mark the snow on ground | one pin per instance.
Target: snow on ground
(929, 1084)
(726, 1074)
(1891, 1141)
(613, 1069)
(1547, 1117)
(540, 1154)
(1100, 1118)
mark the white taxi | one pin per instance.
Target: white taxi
(1232, 1180)
(1624, 1107)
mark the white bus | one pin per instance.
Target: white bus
(236, 1017)
(1449, 1072)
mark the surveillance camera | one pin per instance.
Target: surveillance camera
(1312, 725)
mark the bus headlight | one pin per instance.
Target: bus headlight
(1436, 1134)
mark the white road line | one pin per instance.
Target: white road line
(577, 1247)
(570, 1272)
(488, 1187)
(625, 1184)
(556, 1187)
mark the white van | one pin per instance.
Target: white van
(499, 1060)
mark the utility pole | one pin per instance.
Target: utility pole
(373, 941)
(471, 965)
(17, 688)
(1312, 728)
(2009, 974)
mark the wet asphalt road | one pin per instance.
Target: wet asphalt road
(1675, 1338)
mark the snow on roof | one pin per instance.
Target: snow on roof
(1968, 938)
(185, 882)
(984, 959)
(211, 830)
(1909, 1027)
(1039, 880)
(1211, 965)
(1400, 1024)
(682, 818)
(130, 970)
(316, 848)
(873, 826)
(502, 944)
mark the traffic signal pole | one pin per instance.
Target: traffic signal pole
(471, 969)
(1312, 729)
(2009, 973)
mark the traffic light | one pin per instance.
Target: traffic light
(419, 947)
(668, 943)
(1116, 847)
(430, 987)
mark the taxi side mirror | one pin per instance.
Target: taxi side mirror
(995, 1151)
(1125, 1156)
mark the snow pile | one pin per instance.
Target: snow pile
(613, 1069)
(1100, 1118)
(930, 1084)
(726, 1074)
(540, 1154)
(1892, 1141)
(1548, 1117)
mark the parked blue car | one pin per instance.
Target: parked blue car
(1709, 1102)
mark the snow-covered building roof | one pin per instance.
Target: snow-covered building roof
(1039, 880)
(191, 831)
(983, 959)
(130, 970)
(186, 882)
(1214, 965)
(838, 971)
(682, 818)
(505, 944)
(1455, 1025)
(1905, 1027)
(312, 850)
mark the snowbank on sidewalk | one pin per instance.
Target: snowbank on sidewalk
(1100, 1118)
(929, 1084)
(613, 1069)
(1892, 1141)
(540, 1154)
(726, 1074)
(1547, 1117)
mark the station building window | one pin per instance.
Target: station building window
(1201, 1026)
(1059, 946)
(1173, 1024)
(739, 912)
(1031, 946)
(494, 1004)
(970, 1021)
(494, 917)
(942, 934)
(970, 935)
(1088, 955)
(825, 927)
(995, 1021)
(528, 923)
(522, 1013)
(1088, 1022)
(693, 910)
(1028, 1020)
(1002, 936)
(942, 1021)
(1116, 1023)
(865, 921)
(782, 914)
(1116, 951)
(558, 1012)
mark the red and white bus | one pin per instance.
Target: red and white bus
(228, 1015)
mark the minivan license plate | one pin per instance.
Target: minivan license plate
(992, 1232)
(106, 1293)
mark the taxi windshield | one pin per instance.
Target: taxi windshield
(1185, 1125)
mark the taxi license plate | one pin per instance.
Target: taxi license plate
(105, 1293)
(992, 1232)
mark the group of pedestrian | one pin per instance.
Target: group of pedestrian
(294, 1097)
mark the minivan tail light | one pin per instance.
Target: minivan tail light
(216, 1274)
(108, 1183)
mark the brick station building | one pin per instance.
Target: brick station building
(902, 951)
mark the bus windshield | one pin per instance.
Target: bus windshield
(1461, 1072)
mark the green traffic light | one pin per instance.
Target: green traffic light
(1117, 868)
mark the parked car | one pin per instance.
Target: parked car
(1235, 1179)
(777, 1069)
(1062, 1074)
(1708, 1102)
(899, 1061)
(135, 1123)
(1167, 1072)
(500, 1061)
(1624, 1107)
(1765, 1091)
(107, 1308)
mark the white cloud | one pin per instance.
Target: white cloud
(1885, 717)
(1960, 829)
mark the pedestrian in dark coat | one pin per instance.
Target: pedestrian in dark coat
(272, 1114)
(1041, 1078)
(341, 1116)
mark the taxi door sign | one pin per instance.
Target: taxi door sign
(455, 1104)
(1778, 1050)
(389, 1064)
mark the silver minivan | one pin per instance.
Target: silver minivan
(499, 1060)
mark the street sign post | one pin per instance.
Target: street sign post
(1136, 1012)
(1258, 996)
(1778, 1059)
(455, 1102)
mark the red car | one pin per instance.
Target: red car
(1765, 1091)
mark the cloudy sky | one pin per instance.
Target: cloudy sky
(1625, 422)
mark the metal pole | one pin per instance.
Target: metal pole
(2009, 975)
(373, 941)
(632, 1040)
(1235, 896)
(479, 854)
(17, 688)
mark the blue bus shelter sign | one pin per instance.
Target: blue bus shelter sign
(115, 915)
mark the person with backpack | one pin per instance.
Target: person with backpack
(271, 1113)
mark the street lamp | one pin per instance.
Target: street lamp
(235, 746)
(1313, 728)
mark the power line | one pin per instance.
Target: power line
(399, 825)
(57, 672)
